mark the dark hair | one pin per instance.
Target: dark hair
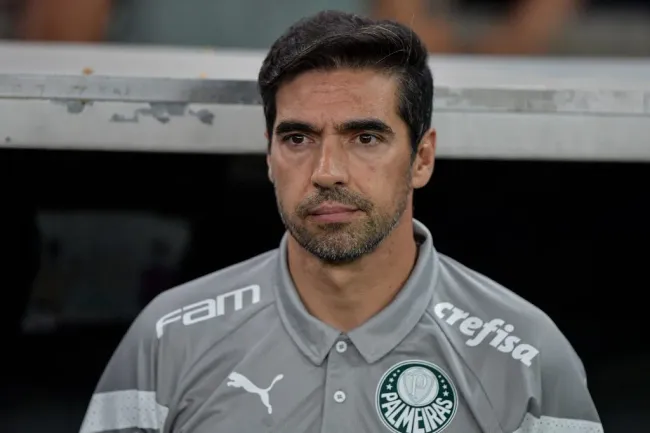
(331, 40)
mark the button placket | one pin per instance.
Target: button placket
(341, 347)
(337, 407)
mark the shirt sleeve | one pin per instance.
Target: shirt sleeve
(128, 398)
(566, 405)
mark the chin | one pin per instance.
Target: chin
(332, 226)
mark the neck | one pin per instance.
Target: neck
(346, 296)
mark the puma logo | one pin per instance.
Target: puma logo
(240, 381)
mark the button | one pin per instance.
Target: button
(339, 396)
(341, 346)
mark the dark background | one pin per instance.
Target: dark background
(570, 237)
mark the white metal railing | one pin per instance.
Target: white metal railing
(197, 100)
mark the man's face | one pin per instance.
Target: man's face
(340, 161)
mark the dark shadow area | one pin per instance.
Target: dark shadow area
(570, 237)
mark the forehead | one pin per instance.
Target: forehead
(334, 96)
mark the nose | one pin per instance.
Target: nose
(331, 166)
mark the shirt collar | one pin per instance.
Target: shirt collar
(379, 335)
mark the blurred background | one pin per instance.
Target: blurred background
(88, 238)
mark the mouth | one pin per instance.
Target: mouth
(333, 212)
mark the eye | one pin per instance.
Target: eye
(295, 140)
(368, 139)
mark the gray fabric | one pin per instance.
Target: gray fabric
(237, 352)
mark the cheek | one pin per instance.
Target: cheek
(374, 183)
(289, 186)
(386, 185)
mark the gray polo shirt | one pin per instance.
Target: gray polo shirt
(236, 352)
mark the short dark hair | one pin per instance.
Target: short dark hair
(331, 40)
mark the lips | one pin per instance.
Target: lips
(332, 209)
(330, 212)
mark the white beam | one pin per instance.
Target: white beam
(184, 100)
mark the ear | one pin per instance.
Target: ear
(423, 164)
(268, 158)
(270, 169)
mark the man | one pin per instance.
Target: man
(356, 323)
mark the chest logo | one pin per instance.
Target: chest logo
(237, 380)
(416, 396)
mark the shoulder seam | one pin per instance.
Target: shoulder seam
(261, 308)
(467, 366)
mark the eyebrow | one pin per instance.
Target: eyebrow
(295, 126)
(370, 124)
(356, 125)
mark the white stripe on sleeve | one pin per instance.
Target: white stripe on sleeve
(123, 410)
(548, 424)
